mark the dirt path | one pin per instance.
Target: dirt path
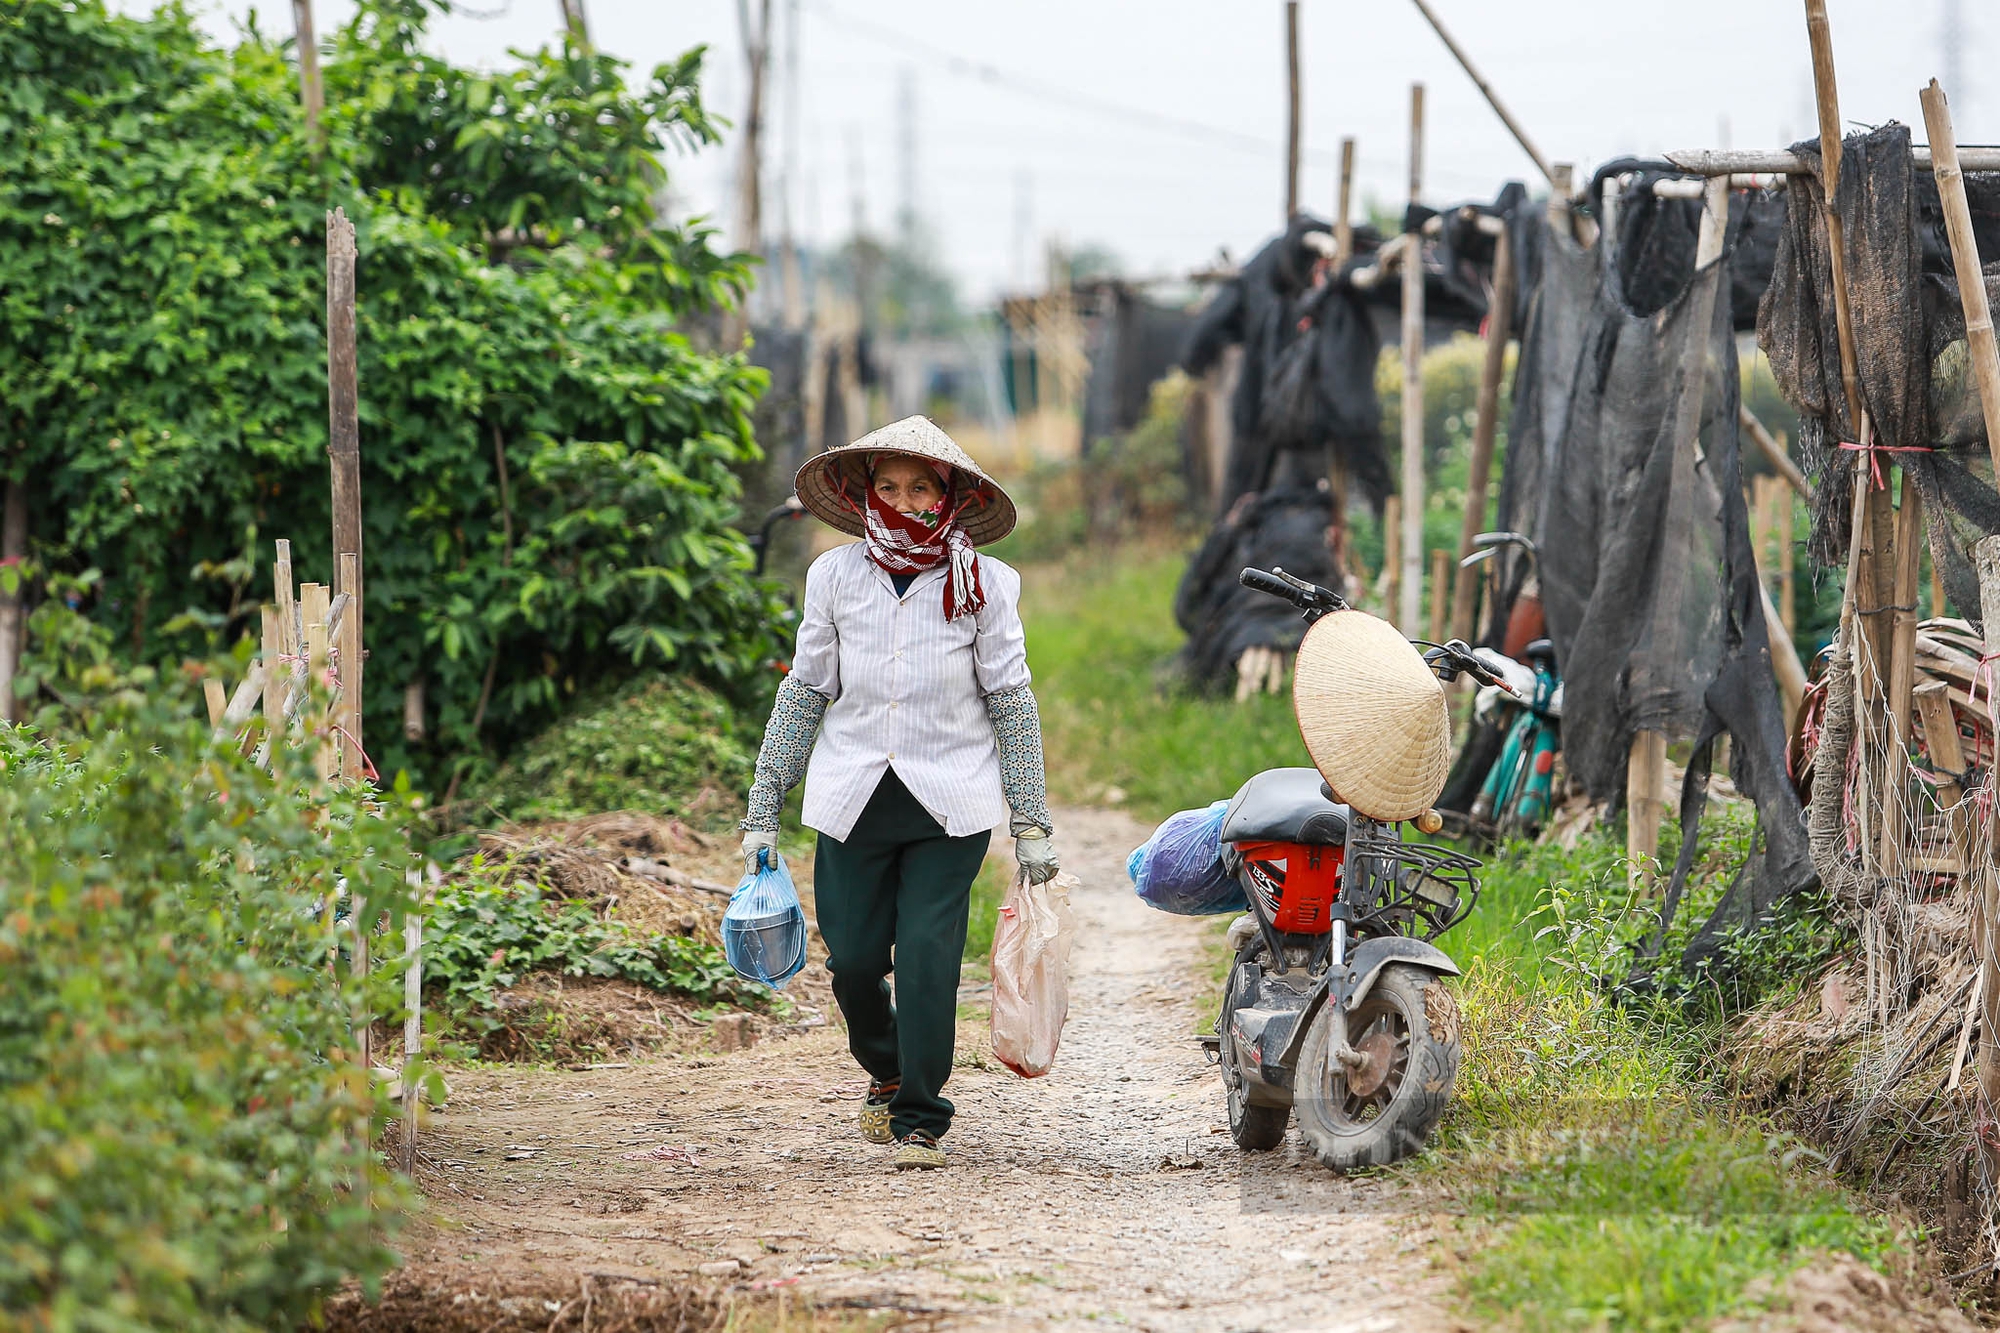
(1101, 1191)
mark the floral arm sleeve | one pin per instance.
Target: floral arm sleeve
(1017, 731)
(788, 744)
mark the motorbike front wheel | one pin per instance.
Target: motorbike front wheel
(1384, 1109)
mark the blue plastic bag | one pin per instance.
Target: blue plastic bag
(764, 928)
(1180, 869)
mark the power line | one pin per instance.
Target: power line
(1051, 92)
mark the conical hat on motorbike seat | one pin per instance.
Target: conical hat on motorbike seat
(1373, 716)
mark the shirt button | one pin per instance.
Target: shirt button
(892, 704)
(892, 754)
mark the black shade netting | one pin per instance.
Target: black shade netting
(1306, 383)
(1911, 367)
(1284, 527)
(1622, 462)
(1136, 342)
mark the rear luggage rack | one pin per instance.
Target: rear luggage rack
(1408, 888)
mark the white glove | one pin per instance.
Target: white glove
(1036, 855)
(756, 840)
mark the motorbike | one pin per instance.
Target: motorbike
(1335, 1008)
(1517, 790)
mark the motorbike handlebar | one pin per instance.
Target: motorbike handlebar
(1314, 600)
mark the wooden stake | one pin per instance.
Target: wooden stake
(1392, 542)
(1902, 674)
(278, 677)
(1774, 453)
(1986, 885)
(216, 698)
(413, 1026)
(1492, 98)
(1645, 800)
(1559, 188)
(347, 709)
(1788, 610)
(344, 456)
(1408, 609)
(1486, 423)
(1979, 339)
(1440, 591)
(309, 87)
(1343, 211)
(1785, 664)
(1292, 117)
(13, 617)
(313, 603)
(289, 634)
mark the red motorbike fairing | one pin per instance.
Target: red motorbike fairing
(1297, 881)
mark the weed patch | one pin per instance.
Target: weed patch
(665, 745)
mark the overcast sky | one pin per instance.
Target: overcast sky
(1156, 127)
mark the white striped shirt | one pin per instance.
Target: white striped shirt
(908, 690)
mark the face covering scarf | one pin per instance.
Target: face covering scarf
(912, 543)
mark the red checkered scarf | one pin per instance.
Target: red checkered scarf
(912, 543)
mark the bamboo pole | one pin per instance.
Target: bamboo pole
(1486, 90)
(344, 458)
(1408, 609)
(215, 698)
(1857, 629)
(1979, 339)
(1774, 453)
(1784, 162)
(1479, 471)
(1293, 110)
(1343, 209)
(1336, 469)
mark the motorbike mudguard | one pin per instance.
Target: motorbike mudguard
(1349, 985)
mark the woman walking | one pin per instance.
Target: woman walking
(908, 714)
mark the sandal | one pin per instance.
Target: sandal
(875, 1111)
(919, 1152)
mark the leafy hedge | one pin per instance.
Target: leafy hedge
(547, 457)
(182, 1143)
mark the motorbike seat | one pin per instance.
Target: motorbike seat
(1285, 805)
(1541, 653)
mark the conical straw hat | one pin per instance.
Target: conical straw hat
(1373, 716)
(843, 472)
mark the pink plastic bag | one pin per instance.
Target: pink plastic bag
(1031, 973)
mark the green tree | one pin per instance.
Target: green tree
(547, 456)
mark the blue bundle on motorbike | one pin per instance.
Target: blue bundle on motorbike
(764, 928)
(1180, 869)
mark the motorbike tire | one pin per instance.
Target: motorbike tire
(1413, 1008)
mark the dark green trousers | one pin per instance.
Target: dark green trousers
(893, 895)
